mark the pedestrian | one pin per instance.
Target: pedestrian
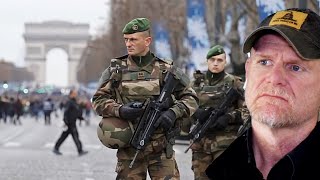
(88, 108)
(2, 103)
(18, 107)
(6, 107)
(212, 87)
(48, 107)
(72, 112)
(11, 110)
(282, 95)
(36, 107)
(61, 105)
(131, 79)
(81, 106)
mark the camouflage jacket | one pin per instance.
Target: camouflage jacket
(211, 93)
(123, 82)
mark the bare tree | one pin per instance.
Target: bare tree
(220, 14)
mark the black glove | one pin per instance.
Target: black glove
(166, 104)
(130, 111)
(166, 120)
(201, 115)
(222, 122)
(198, 113)
(238, 117)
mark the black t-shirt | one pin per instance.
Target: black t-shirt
(237, 162)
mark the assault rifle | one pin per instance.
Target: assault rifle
(146, 124)
(211, 116)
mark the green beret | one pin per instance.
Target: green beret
(214, 51)
(136, 25)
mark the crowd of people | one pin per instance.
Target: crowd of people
(15, 107)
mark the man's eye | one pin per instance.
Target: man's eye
(264, 62)
(296, 68)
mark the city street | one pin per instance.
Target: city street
(26, 153)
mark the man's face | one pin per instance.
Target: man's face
(217, 63)
(137, 43)
(282, 89)
(73, 94)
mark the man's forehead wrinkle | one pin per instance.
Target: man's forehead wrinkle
(269, 43)
(277, 43)
(266, 54)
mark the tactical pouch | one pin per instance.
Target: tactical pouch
(116, 72)
(169, 148)
(158, 145)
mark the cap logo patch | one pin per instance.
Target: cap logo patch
(293, 19)
(135, 27)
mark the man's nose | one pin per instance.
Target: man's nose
(128, 43)
(277, 75)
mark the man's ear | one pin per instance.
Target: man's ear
(246, 65)
(148, 41)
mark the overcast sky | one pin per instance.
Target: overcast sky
(14, 13)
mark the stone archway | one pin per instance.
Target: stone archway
(57, 67)
(40, 38)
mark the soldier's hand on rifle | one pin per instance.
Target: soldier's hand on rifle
(222, 122)
(130, 111)
(165, 104)
(199, 113)
(166, 120)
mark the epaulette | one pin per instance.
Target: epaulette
(166, 60)
(238, 78)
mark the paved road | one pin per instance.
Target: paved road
(26, 153)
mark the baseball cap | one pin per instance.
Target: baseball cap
(300, 28)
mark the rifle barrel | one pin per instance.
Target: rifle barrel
(134, 159)
(188, 147)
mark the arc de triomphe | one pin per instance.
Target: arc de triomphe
(40, 38)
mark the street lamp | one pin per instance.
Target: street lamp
(5, 85)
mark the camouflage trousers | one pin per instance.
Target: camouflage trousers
(158, 166)
(207, 150)
(200, 162)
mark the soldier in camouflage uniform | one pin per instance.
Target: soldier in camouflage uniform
(211, 87)
(131, 79)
